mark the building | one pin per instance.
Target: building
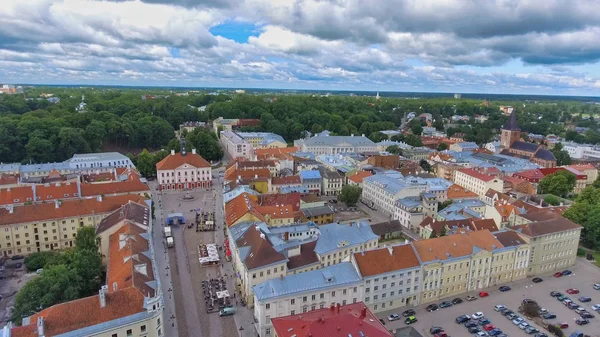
(245, 207)
(477, 182)
(348, 320)
(385, 161)
(183, 171)
(131, 302)
(457, 96)
(387, 230)
(588, 170)
(280, 182)
(431, 228)
(236, 146)
(554, 244)
(88, 163)
(382, 191)
(223, 124)
(263, 140)
(305, 292)
(463, 209)
(417, 153)
(410, 211)
(332, 182)
(325, 144)
(536, 175)
(189, 127)
(512, 145)
(357, 178)
(464, 146)
(312, 181)
(457, 192)
(320, 215)
(391, 276)
(53, 225)
(460, 263)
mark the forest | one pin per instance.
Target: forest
(35, 130)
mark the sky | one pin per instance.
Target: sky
(464, 46)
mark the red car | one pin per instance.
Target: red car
(483, 294)
(572, 291)
(441, 334)
(488, 327)
(563, 325)
(557, 274)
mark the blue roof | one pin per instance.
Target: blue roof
(468, 145)
(389, 184)
(410, 202)
(292, 189)
(332, 276)
(335, 236)
(228, 196)
(453, 212)
(312, 174)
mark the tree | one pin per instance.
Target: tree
(413, 140)
(40, 150)
(70, 142)
(86, 239)
(442, 147)
(562, 156)
(552, 200)
(377, 137)
(560, 183)
(350, 195)
(146, 164)
(417, 130)
(530, 308)
(425, 165)
(87, 265)
(39, 260)
(555, 330)
(394, 149)
(442, 232)
(444, 204)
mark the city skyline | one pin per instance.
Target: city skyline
(403, 46)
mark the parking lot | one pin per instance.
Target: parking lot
(585, 274)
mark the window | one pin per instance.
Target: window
(114, 335)
(143, 328)
(268, 306)
(293, 312)
(268, 331)
(129, 332)
(293, 301)
(304, 299)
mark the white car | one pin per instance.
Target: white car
(597, 286)
(499, 307)
(482, 334)
(543, 310)
(393, 317)
(477, 315)
(517, 321)
(523, 325)
(596, 307)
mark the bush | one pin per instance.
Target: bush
(581, 251)
(555, 330)
(39, 260)
(552, 200)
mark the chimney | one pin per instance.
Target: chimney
(351, 135)
(363, 134)
(79, 185)
(115, 287)
(363, 312)
(338, 308)
(11, 209)
(390, 249)
(172, 152)
(99, 198)
(34, 189)
(102, 292)
(193, 151)
(40, 327)
(56, 204)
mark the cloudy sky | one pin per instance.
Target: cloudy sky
(488, 46)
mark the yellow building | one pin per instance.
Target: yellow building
(53, 225)
(554, 243)
(320, 215)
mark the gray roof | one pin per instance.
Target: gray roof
(335, 236)
(316, 211)
(387, 227)
(524, 146)
(512, 124)
(545, 154)
(339, 141)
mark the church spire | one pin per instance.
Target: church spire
(511, 124)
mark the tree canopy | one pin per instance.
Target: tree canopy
(350, 195)
(586, 212)
(560, 183)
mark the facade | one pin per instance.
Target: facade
(325, 144)
(182, 171)
(236, 146)
(263, 140)
(357, 178)
(464, 146)
(391, 276)
(477, 182)
(53, 225)
(78, 164)
(305, 292)
(349, 320)
(431, 228)
(332, 182)
(320, 215)
(554, 244)
(131, 302)
(512, 145)
(312, 181)
(410, 211)
(382, 191)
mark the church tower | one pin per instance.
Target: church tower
(510, 131)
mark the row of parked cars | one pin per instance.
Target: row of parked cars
(519, 321)
(584, 314)
(478, 325)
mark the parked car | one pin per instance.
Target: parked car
(567, 272)
(518, 321)
(537, 280)
(457, 301)
(597, 286)
(495, 332)
(470, 324)
(18, 265)
(563, 325)
(477, 315)
(499, 307)
(382, 321)
(549, 315)
(461, 319)
(445, 304)
(474, 330)
(586, 315)
(542, 311)
(582, 321)
(523, 325)
(540, 334)
(585, 299)
(441, 334)
(471, 298)
(489, 327)
(572, 305)
(596, 307)
(504, 288)
(409, 312)
(410, 320)
(531, 330)
(507, 312)
(572, 291)
(481, 334)
(393, 317)
(435, 329)
(580, 310)
(17, 257)
(555, 294)
(512, 316)
(561, 298)
(432, 307)
(484, 321)
(557, 274)
(483, 294)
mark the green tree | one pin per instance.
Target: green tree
(350, 195)
(40, 150)
(70, 142)
(560, 183)
(442, 147)
(95, 134)
(425, 165)
(445, 204)
(86, 239)
(377, 137)
(413, 140)
(394, 149)
(87, 265)
(39, 260)
(146, 163)
(442, 232)
(562, 156)
(552, 200)
(417, 130)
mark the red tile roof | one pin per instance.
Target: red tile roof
(11, 195)
(132, 185)
(276, 211)
(234, 174)
(347, 320)
(477, 175)
(469, 224)
(173, 161)
(360, 176)
(292, 199)
(385, 260)
(239, 206)
(279, 153)
(289, 180)
(8, 179)
(458, 192)
(455, 245)
(553, 225)
(68, 208)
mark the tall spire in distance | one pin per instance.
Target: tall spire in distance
(512, 124)
(183, 153)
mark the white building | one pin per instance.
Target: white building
(326, 144)
(236, 146)
(179, 171)
(301, 293)
(477, 182)
(391, 277)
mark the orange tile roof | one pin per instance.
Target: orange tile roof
(455, 245)
(240, 206)
(85, 312)
(11, 195)
(173, 161)
(8, 179)
(458, 192)
(384, 260)
(476, 175)
(247, 174)
(290, 180)
(505, 209)
(550, 226)
(275, 153)
(56, 191)
(468, 224)
(277, 212)
(68, 208)
(286, 199)
(359, 176)
(132, 185)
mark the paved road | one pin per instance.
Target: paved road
(585, 275)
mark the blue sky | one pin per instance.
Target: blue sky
(493, 46)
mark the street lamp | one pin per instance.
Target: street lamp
(241, 330)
